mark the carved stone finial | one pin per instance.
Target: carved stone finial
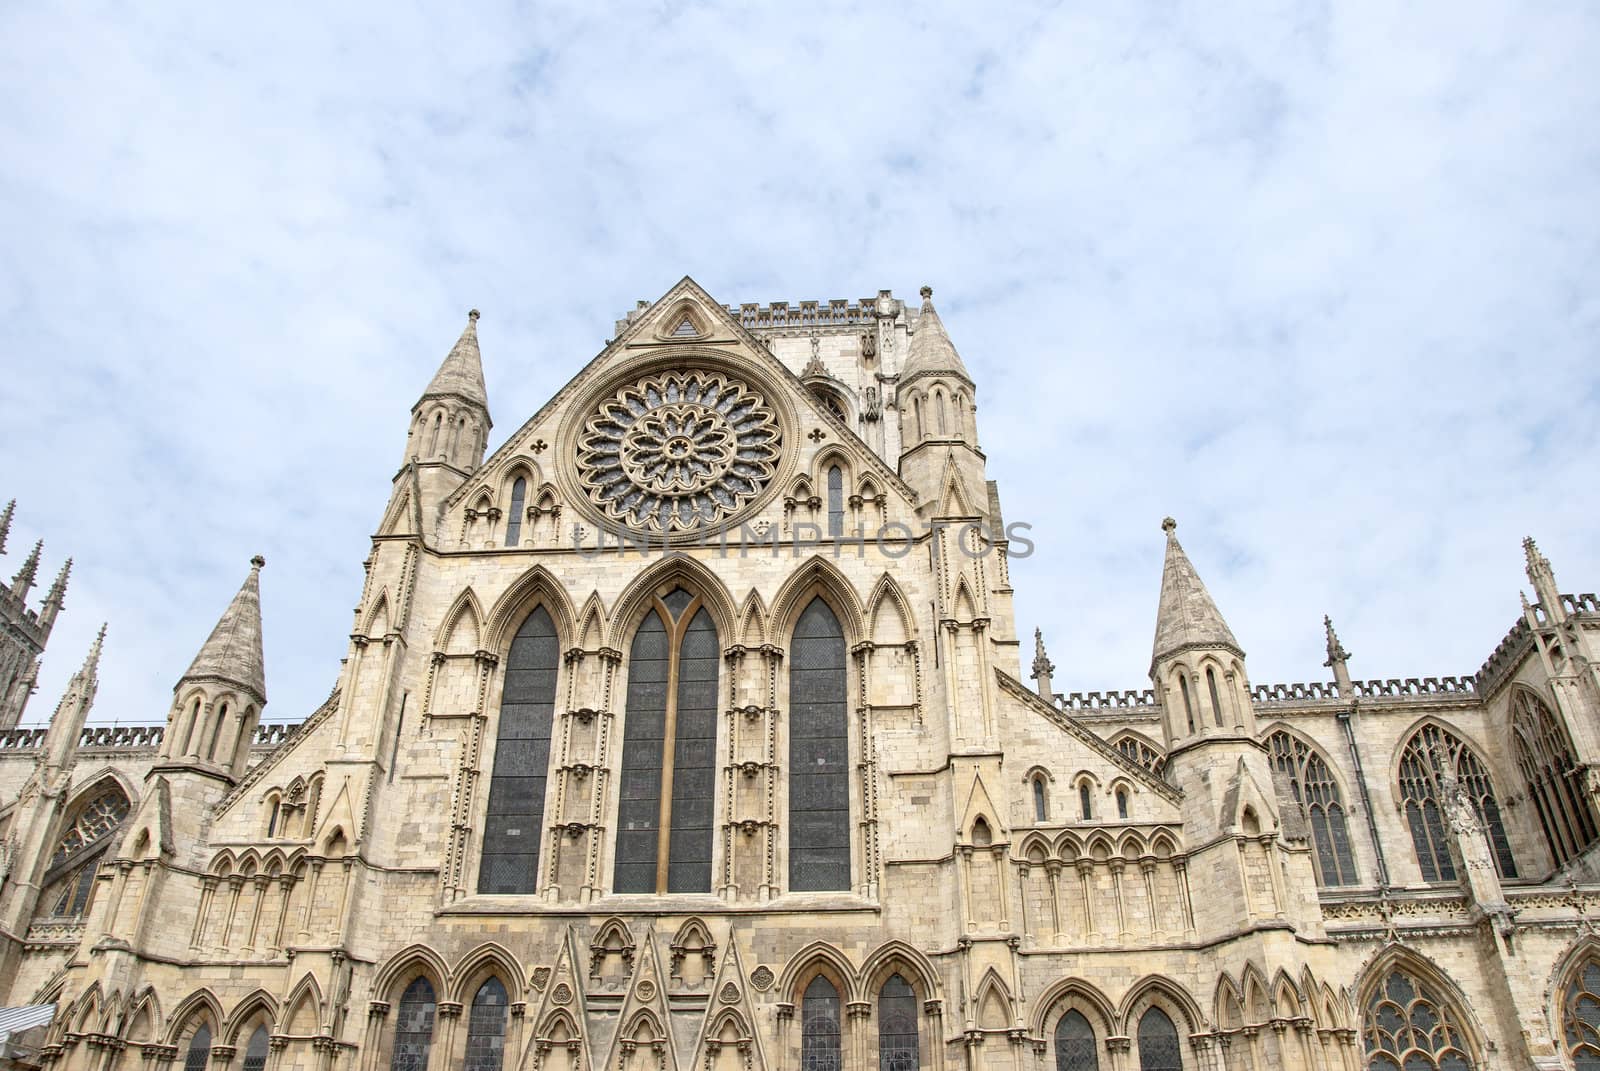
(258, 561)
(472, 314)
(1042, 667)
(1336, 651)
(1168, 525)
(927, 293)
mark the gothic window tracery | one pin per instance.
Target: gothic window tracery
(819, 1027)
(1136, 749)
(512, 827)
(1580, 1020)
(1075, 1044)
(1408, 1028)
(1432, 757)
(519, 498)
(819, 780)
(486, 1029)
(413, 1027)
(69, 881)
(898, 1047)
(1555, 780)
(1305, 781)
(1158, 1042)
(664, 816)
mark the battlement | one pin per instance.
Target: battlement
(131, 737)
(1091, 702)
(836, 312)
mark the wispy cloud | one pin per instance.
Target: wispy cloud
(1318, 282)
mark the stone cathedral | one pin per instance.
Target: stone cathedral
(690, 730)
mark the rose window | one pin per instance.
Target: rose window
(678, 449)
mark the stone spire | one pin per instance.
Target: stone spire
(54, 600)
(931, 348)
(1186, 616)
(1543, 579)
(461, 374)
(66, 726)
(232, 653)
(23, 582)
(5, 523)
(1337, 657)
(1042, 667)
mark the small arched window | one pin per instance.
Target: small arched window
(486, 1030)
(1188, 700)
(1432, 755)
(1555, 780)
(940, 396)
(835, 502)
(1075, 1044)
(255, 1053)
(1303, 781)
(1083, 800)
(413, 1028)
(1041, 809)
(433, 440)
(1158, 1042)
(916, 415)
(1216, 700)
(898, 1047)
(216, 731)
(519, 498)
(1122, 803)
(199, 1053)
(1580, 1016)
(819, 1026)
(1408, 1026)
(274, 806)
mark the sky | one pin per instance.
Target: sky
(1318, 280)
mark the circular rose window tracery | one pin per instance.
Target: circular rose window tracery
(680, 449)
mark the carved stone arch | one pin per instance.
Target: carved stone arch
(144, 1019)
(1068, 848)
(1374, 972)
(817, 577)
(306, 996)
(536, 587)
(1286, 1001)
(592, 623)
(673, 570)
(889, 613)
(868, 488)
(964, 605)
(397, 517)
(559, 1017)
(258, 1008)
(646, 1021)
(1562, 973)
(1166, 994)
(671, 327)
(1162, 844)
(829, 456)
(91, 786)
(477, 966)
(548, 497)
(222, 864)
(86, 1008)
(1036, 849)
(752, 620)
(1066, 994)
(462, 627)
(1130, 845)
(992, 1004)
(1257, 998)
(200, 1006)
(692, 939)
(1474, 746)
(613, 938)
(818, 957)
(484, 502)
(376, 625)
(522, 466)
(1331, 1011)
(1321, 752)
(898, 957)
(1227, 1006)
(723, 1017)
(405, 965)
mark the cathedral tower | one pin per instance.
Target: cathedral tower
(24, 631)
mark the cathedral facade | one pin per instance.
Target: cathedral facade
(689, 730)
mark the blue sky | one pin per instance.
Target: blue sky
(1318, 280)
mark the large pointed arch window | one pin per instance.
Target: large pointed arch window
(486, 1029)
(1304, 780)
(1075, 1045)
(199, 1054)
(669, 738)
(819, 1027)
(521, 760)
(898, 1048)
(1432, 757)
(1158, 1042)
(1580, 1016)
(1408, 1028)
(1555, 781)
(69, 880)
(819, 782)
(413, 1027)
(255, 1053)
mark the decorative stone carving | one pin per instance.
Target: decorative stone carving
(678, 449)
(762, 978)
(562, 994)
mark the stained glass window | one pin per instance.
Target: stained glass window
(819, 781)
(519, 497)
(1304, 781)
(1555, 780)
(199, 1053)
(835, 502)
(413, 1028)
(819, 1027)
(1158, 1042)
(255, 1054)
(98, 818)
(1142, 753)
(521, 760)
(1075, 1044)
(671, 712)
(1581, 1017)
(1432, 756)
(1408, 1028)
(1041, 812)
(898, 1048)
(486, 1029)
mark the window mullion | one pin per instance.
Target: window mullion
(669, 738)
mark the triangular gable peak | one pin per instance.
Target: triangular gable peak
(1245, 795)
(730, 1017)
(653, 328)
(562, 1017)
(644, 1024)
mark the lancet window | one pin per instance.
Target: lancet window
(819, 780)
(521, 760)
(1555, 781)
(1304, 781)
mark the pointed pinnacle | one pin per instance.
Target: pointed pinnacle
(91, 662)
(5, 523)
(461, 373)
(58, 589)
(30, 570)
(1041, 661)
(232, 652)
(1336, 651)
